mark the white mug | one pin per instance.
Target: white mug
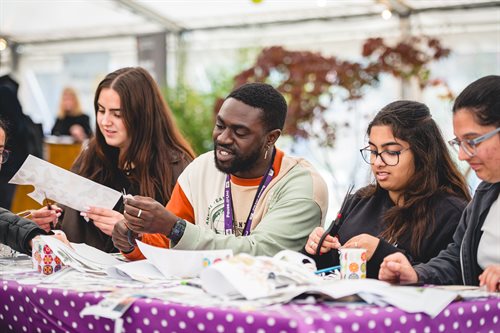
(352, 263)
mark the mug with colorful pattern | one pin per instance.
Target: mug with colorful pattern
(44, 259)
(352, 263)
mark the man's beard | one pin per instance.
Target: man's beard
(240, 163)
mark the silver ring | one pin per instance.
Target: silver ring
(139, 214)
(311, 244)
(356, 244)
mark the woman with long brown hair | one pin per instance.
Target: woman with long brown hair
(137, 148)
(416, 202)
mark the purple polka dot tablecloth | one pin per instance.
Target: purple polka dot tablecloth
(28, 308)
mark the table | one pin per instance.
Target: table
(28, 308)
(62, 154)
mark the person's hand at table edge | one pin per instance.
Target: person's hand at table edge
(397, 269)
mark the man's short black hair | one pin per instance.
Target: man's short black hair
(266, 98)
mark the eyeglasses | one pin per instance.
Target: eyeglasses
(389, 157)
(4, 156)
(470, 146)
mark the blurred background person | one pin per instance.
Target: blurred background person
(71, 120)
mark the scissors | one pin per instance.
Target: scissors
(129, 232)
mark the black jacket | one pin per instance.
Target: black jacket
(12, 113)
(16, 231)
(457, 264)
(364, 215)
(62, 126)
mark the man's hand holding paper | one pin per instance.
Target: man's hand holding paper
(146, 215)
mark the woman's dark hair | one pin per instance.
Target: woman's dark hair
(155, 142)
(482, 98)
(435, 172)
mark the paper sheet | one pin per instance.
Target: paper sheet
(141, 270)
(254, 278)
(428, 300)
(81, 257)
(63, 186)
(181, 263)
(257, 277)
(418, 299)
(95, 255)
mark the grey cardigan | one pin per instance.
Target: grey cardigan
(16, 231)
(457, 264)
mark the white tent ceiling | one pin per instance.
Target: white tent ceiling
(206, 37)
(40, 21)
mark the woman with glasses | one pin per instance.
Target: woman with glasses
(473, 258)
(416, 201)
(137, 149)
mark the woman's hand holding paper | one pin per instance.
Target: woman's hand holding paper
(103, 218)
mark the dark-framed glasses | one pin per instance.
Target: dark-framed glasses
(4, 156)
(470, 146)
(389, 157)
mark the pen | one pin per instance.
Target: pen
(130, 237)
(328, 269)
(25, 214)
(191, 284)
(49, 207)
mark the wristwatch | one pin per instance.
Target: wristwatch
(177, 231)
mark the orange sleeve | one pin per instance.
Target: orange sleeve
(159, 240)
(180, 206)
